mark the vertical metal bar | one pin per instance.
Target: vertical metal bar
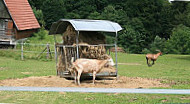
(116, 55)
(56, 59)
(22, 57)
(77, 43)
(55, 47)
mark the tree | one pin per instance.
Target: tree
(158, 44)
(131, 40)
(94, 15)
(53, 10)
(36, 3)
(39, 16)
(179, 43)
(144, 22)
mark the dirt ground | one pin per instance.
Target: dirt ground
(55, 81)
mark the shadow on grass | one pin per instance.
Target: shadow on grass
(89, 79)
(187, 58)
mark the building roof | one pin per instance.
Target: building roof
(84, 25)
(22, 14)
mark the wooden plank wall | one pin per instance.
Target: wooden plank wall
(24, 33)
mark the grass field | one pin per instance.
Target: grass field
(171, 69)
(11, 68)
(89, 98)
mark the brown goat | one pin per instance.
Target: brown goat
(152, 57)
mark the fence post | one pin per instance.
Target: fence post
(47, 51)
(56, 59)
(55, 51)
(22, 57)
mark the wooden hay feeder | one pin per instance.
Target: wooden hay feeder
(82, 39)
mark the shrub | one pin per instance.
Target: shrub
(41, 34)
(179, 42)
(157, 44)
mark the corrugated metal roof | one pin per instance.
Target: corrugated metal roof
(22, 14)
(84, 25)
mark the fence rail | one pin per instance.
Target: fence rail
(24, 48)
(40, 49)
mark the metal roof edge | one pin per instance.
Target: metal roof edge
(71, 21)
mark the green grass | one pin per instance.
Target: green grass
(89, 98)
(171, 69)
(11, 68)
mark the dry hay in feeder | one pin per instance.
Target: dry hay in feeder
(86, 39)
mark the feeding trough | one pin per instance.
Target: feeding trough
(83, 38)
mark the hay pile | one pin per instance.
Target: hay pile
(85, 39)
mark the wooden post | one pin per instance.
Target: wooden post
(47, 56)
(41, 52)
(65, 56)
(15, 46)
(55, 51)
(22, 48)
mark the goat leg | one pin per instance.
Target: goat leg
(78, 77)
(147, 60)
(75, 72)
(153, 62)
(149, 63)
(94, 76)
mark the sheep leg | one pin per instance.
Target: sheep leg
(78, 77)
(94, 76)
